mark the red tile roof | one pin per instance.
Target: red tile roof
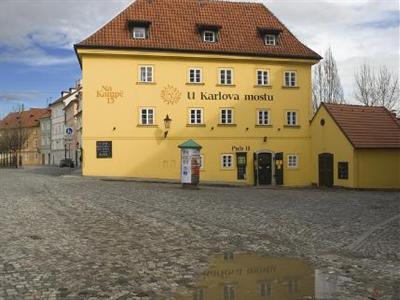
(174, 27)
(25, 119)
(366, 127)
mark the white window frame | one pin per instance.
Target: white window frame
(293, 161)
(267, 288)
(148, 78)
(139, 33)
(263, 82)
(263, 117)
(227, 164)
(270, 39)
(213, 35)
(147, 109)
(195, 76)
(291, 116)
(223, 114)
(290, 82)
(223, 76)
(196, 109)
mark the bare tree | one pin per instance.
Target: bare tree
(13, 139)
(326, 82)
(377, 87)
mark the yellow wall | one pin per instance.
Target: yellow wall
(330, 139)
(143, 151)
(378, 168)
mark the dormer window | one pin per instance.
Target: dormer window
(270, 35)
(209, 36)
(270, 39)
(139, 33)
(139, 29)
(209, 33)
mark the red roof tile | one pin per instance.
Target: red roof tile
(174, 27)
(366, 127)
(25, 119)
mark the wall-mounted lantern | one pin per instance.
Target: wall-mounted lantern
(167, 125)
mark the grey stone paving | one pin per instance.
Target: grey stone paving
(67, 237)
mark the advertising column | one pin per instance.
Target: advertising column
(190, 164)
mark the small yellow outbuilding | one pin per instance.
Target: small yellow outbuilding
(355, 146)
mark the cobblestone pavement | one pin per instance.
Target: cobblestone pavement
(67, 237)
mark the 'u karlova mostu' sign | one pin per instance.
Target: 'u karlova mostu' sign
(219, 96)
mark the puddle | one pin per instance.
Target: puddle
(235, 276)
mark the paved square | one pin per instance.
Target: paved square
(68, 237)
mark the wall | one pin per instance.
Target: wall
(378, 168)
(330, 139)
(143, 152)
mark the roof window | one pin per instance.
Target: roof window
(270, 35)
(209, 33)
(139, 29)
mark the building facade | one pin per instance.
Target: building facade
(71, 140)
(59, 146)
(45, 139)
(355, 146)
(238, 84)
(23, 134)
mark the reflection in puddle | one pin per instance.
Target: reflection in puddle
(249, 277)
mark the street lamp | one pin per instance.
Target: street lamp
(167, 125)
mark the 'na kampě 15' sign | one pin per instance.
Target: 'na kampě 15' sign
(107, 92)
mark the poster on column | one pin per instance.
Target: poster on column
(190, 166)
(186, 176)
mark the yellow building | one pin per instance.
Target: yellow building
(20, 133)
(165, 71)
(355, 146)
(251, 277)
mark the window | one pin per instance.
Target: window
(226, 116)
(225, 76)
(343, 170)
(209, 36)
(292, 286)
(146, 74)
(291, 118)
(270, 39)
(195, 75)
(290, 79)
(293, 161)
(198, 294)
(265, 289)
(229, 292)
(262, 117)
(196, 116)
(147, 116)
(139, 33)
(227, 161)
(262, 77)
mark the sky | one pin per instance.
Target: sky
(37, 60)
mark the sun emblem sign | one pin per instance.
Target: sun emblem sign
(171, 95)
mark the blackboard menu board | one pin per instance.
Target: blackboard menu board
(104, 149)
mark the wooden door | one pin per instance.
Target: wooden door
(326, 169)
(264, 168)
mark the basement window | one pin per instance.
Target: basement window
(343, 170)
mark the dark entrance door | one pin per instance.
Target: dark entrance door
(326, 169)
(241, 163)
(264, 168)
